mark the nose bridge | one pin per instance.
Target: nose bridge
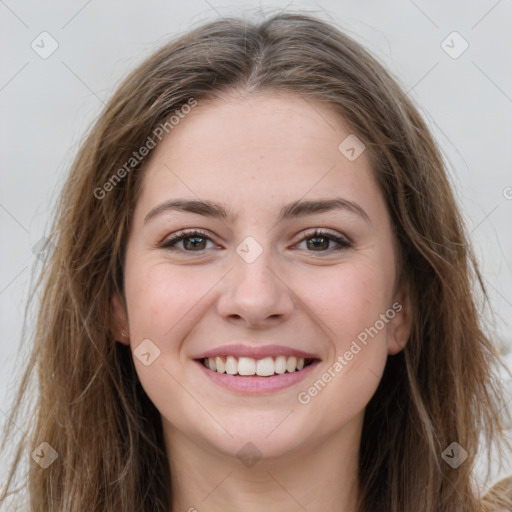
(254, 290)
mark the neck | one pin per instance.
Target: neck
(319, 476)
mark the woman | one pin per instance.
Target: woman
(261, 294)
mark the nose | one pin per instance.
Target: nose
(256, 294)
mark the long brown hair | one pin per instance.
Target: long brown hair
(91, 408)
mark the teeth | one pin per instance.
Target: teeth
(219, 364)
(246, 366)
(265, 367)
(249, 366)
(231, 365)
(280, 365)
(291, 364)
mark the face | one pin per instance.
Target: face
(276, 267)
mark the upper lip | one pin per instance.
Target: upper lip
(259, 352)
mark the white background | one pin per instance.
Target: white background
(47, 104)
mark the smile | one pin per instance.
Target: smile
(247, 366)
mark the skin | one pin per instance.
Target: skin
(255, 154)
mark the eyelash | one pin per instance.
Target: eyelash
(317, 233)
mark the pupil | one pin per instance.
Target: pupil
(195, 241)
(319, 245)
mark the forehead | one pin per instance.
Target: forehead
(255, 150)
(266, 126)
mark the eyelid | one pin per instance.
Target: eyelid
(323, 232)
(185, 233)
(343, 241)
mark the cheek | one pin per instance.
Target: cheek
(346, 299)
(162, 297)
(163, 304)
(349, 302)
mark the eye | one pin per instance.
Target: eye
(319, 241)
(193, 241)
(196, 241)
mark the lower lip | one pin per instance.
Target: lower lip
(256, 384)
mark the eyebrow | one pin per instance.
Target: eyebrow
(292, 210)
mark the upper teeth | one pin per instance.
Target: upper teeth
(249, 366)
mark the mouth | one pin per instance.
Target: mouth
(248, 366)
(250, 370)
